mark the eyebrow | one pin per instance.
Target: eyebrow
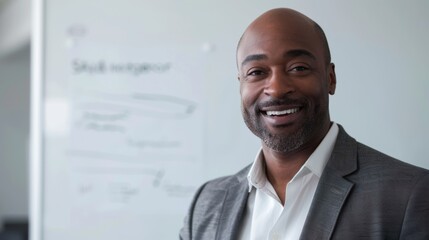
(254, 57)
(299, 52)
(288, 54)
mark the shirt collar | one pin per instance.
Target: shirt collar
(315, 163)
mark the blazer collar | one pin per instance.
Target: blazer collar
(235, 202)
(332, 190)
(330, 195)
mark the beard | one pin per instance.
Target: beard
(284, 143)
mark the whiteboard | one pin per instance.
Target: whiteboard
(136, 103)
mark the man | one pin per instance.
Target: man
(310, 180)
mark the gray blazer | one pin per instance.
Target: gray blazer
(362, 194)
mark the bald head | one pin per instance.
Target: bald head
(286, 78)
(286, 21)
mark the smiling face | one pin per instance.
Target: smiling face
(285, 80)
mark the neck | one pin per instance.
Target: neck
(281, 167)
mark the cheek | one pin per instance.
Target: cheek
(249, 94)
(316, 94)
(316, 88)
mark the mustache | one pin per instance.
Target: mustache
(280, 101)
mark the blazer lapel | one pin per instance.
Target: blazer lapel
(332, 190)
(233, 209)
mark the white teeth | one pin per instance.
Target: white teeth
(284, 112)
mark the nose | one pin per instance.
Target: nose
(278, 84)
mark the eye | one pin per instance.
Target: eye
(299, 69)
(256, 72)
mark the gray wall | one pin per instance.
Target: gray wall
(14, 129)
(15, 31)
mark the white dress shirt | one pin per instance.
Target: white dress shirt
(266, 218)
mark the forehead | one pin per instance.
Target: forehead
(271, 36)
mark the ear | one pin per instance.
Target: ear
(239, 82)
(332, 84)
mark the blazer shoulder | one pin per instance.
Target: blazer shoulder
(360, 162)
(369, 156)
(206, 208)
(225, 182)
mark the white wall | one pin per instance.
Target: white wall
(380, 49)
